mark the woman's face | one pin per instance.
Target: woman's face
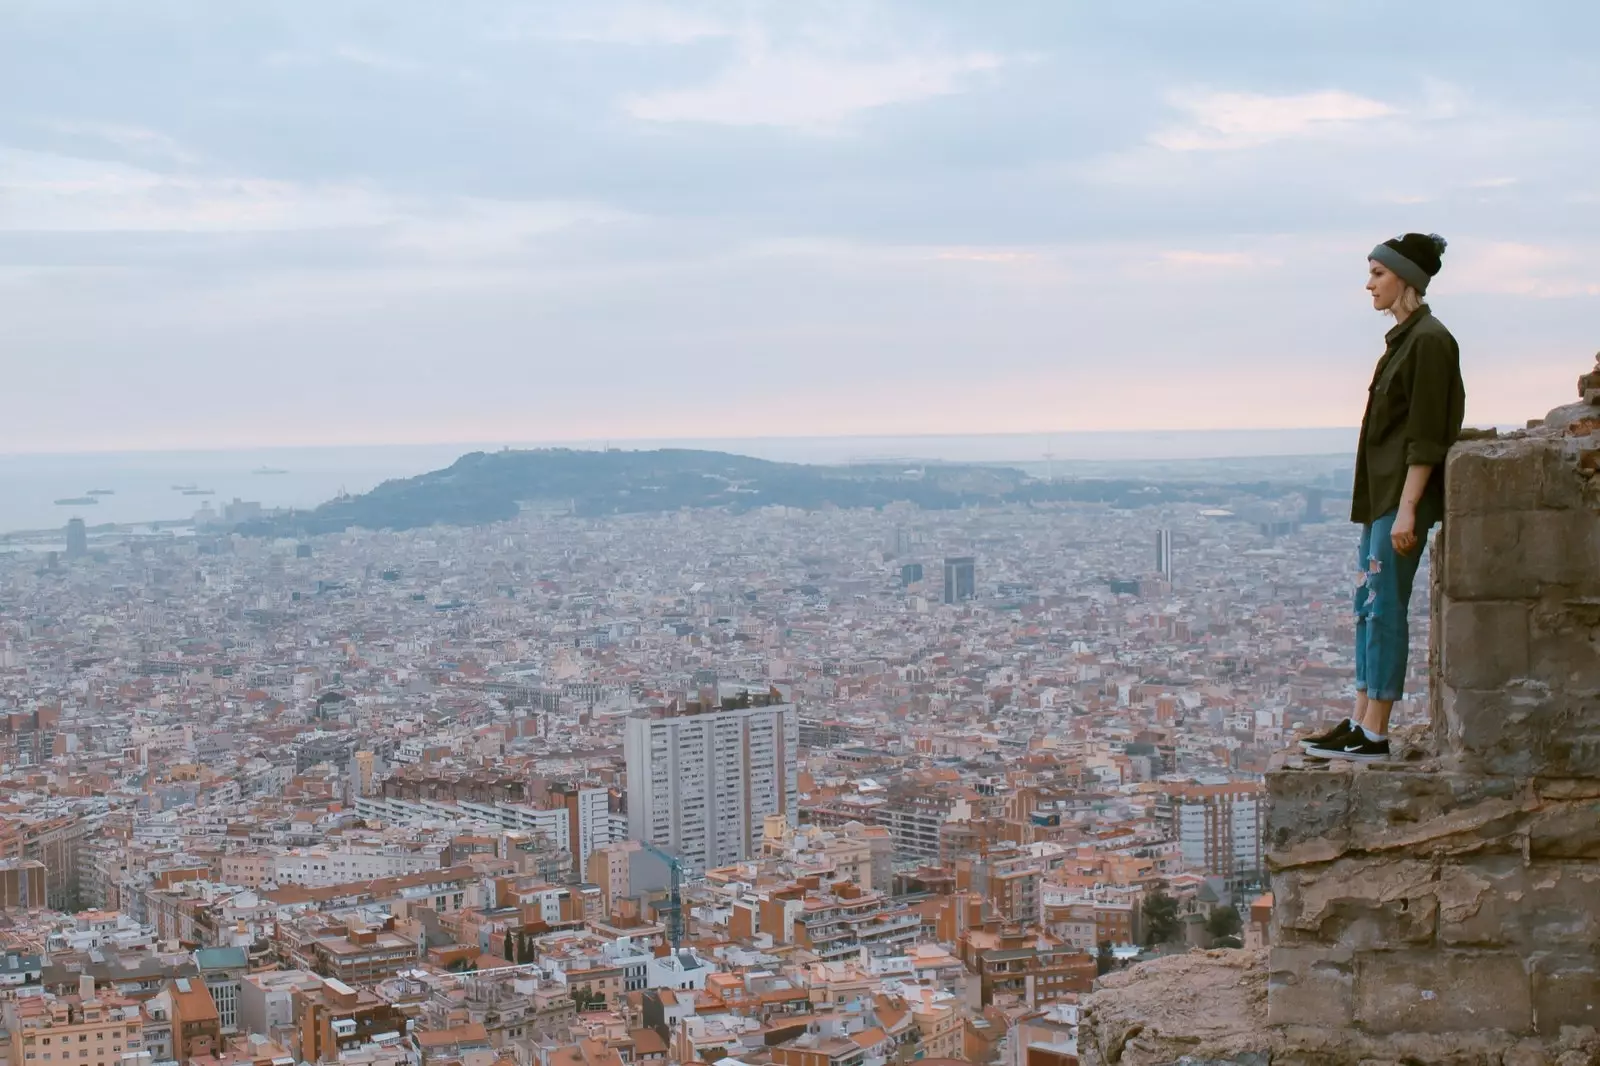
(1384, 284)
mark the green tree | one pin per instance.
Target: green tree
(1160, 919)
(584, 999)
(1104, 962)
(1223, 923)
(507, 951)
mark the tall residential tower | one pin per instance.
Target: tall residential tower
(960, 578)
(702, 778)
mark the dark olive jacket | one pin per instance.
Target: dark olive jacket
(1415, 405)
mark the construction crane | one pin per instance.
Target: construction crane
(675, 901)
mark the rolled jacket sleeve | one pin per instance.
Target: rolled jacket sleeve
(1428, 432)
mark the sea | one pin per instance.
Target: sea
(169, 486)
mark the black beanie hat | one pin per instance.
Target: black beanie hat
(1415, 257)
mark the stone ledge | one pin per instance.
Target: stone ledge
(1419, 805)
(1209, 1009)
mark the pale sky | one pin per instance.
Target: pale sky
(317, 221)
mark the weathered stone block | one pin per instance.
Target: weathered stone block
(1577, 752)
(1307, 817)
(1485, 642)
(1569, 830)
(1551, 789)
(1310, 986)
(1478, 901)
(1486, 477)
(1497, 901)
(1523, 729)
(1515, 555)
(1428, 991)
(1561, 907)
(1429, 813)
(1566, 991)
(1563, 644)
(1565, 484)
(1360, 902)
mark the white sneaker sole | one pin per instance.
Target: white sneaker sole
(1330, 753)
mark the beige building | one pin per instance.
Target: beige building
(608, 868)
(89, 1029)
(943, 1026)
(249, 869)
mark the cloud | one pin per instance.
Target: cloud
(44, 193)
(620, 186)
(374, 60)
(134, 140)
(53, 193)
(1222, 121)
(980, 255)
(1209, 260)
(767, 87)
(627, 24)
(1512, 268)
(476, 230)
(348, 54)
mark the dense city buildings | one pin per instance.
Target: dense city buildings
(841, 785)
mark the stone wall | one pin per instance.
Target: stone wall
(1444, 906)
(1459, 889)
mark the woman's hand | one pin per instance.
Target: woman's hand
(1403, 534)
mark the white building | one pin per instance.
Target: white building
(581, 823)
(319, 867)
(701, 781)
(1218, 827)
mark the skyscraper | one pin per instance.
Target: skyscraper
(960, 578)
(77, 539)
(701, 779)
(1164, 553)
(1313, 506)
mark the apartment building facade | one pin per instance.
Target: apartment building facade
(1218, 829)
(701, 780)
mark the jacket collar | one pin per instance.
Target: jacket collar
(1401, 329)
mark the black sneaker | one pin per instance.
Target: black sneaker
(1331, 738)
(1355, 747)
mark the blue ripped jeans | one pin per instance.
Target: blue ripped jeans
(1382, 601)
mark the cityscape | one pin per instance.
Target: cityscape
(842, 533)
(852, 784)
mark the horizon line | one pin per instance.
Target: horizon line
(601, 443)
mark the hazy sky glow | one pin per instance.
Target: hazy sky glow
(319, 221)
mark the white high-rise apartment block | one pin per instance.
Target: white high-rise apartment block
(1218, 828)
(701, 781)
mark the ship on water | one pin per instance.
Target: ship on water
(76, 501)
(199, 492)
(183, 488)
(101, 492)
(269, 470)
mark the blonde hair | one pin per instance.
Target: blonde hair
(1406, 304)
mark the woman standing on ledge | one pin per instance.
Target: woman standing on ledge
(1414, 410)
